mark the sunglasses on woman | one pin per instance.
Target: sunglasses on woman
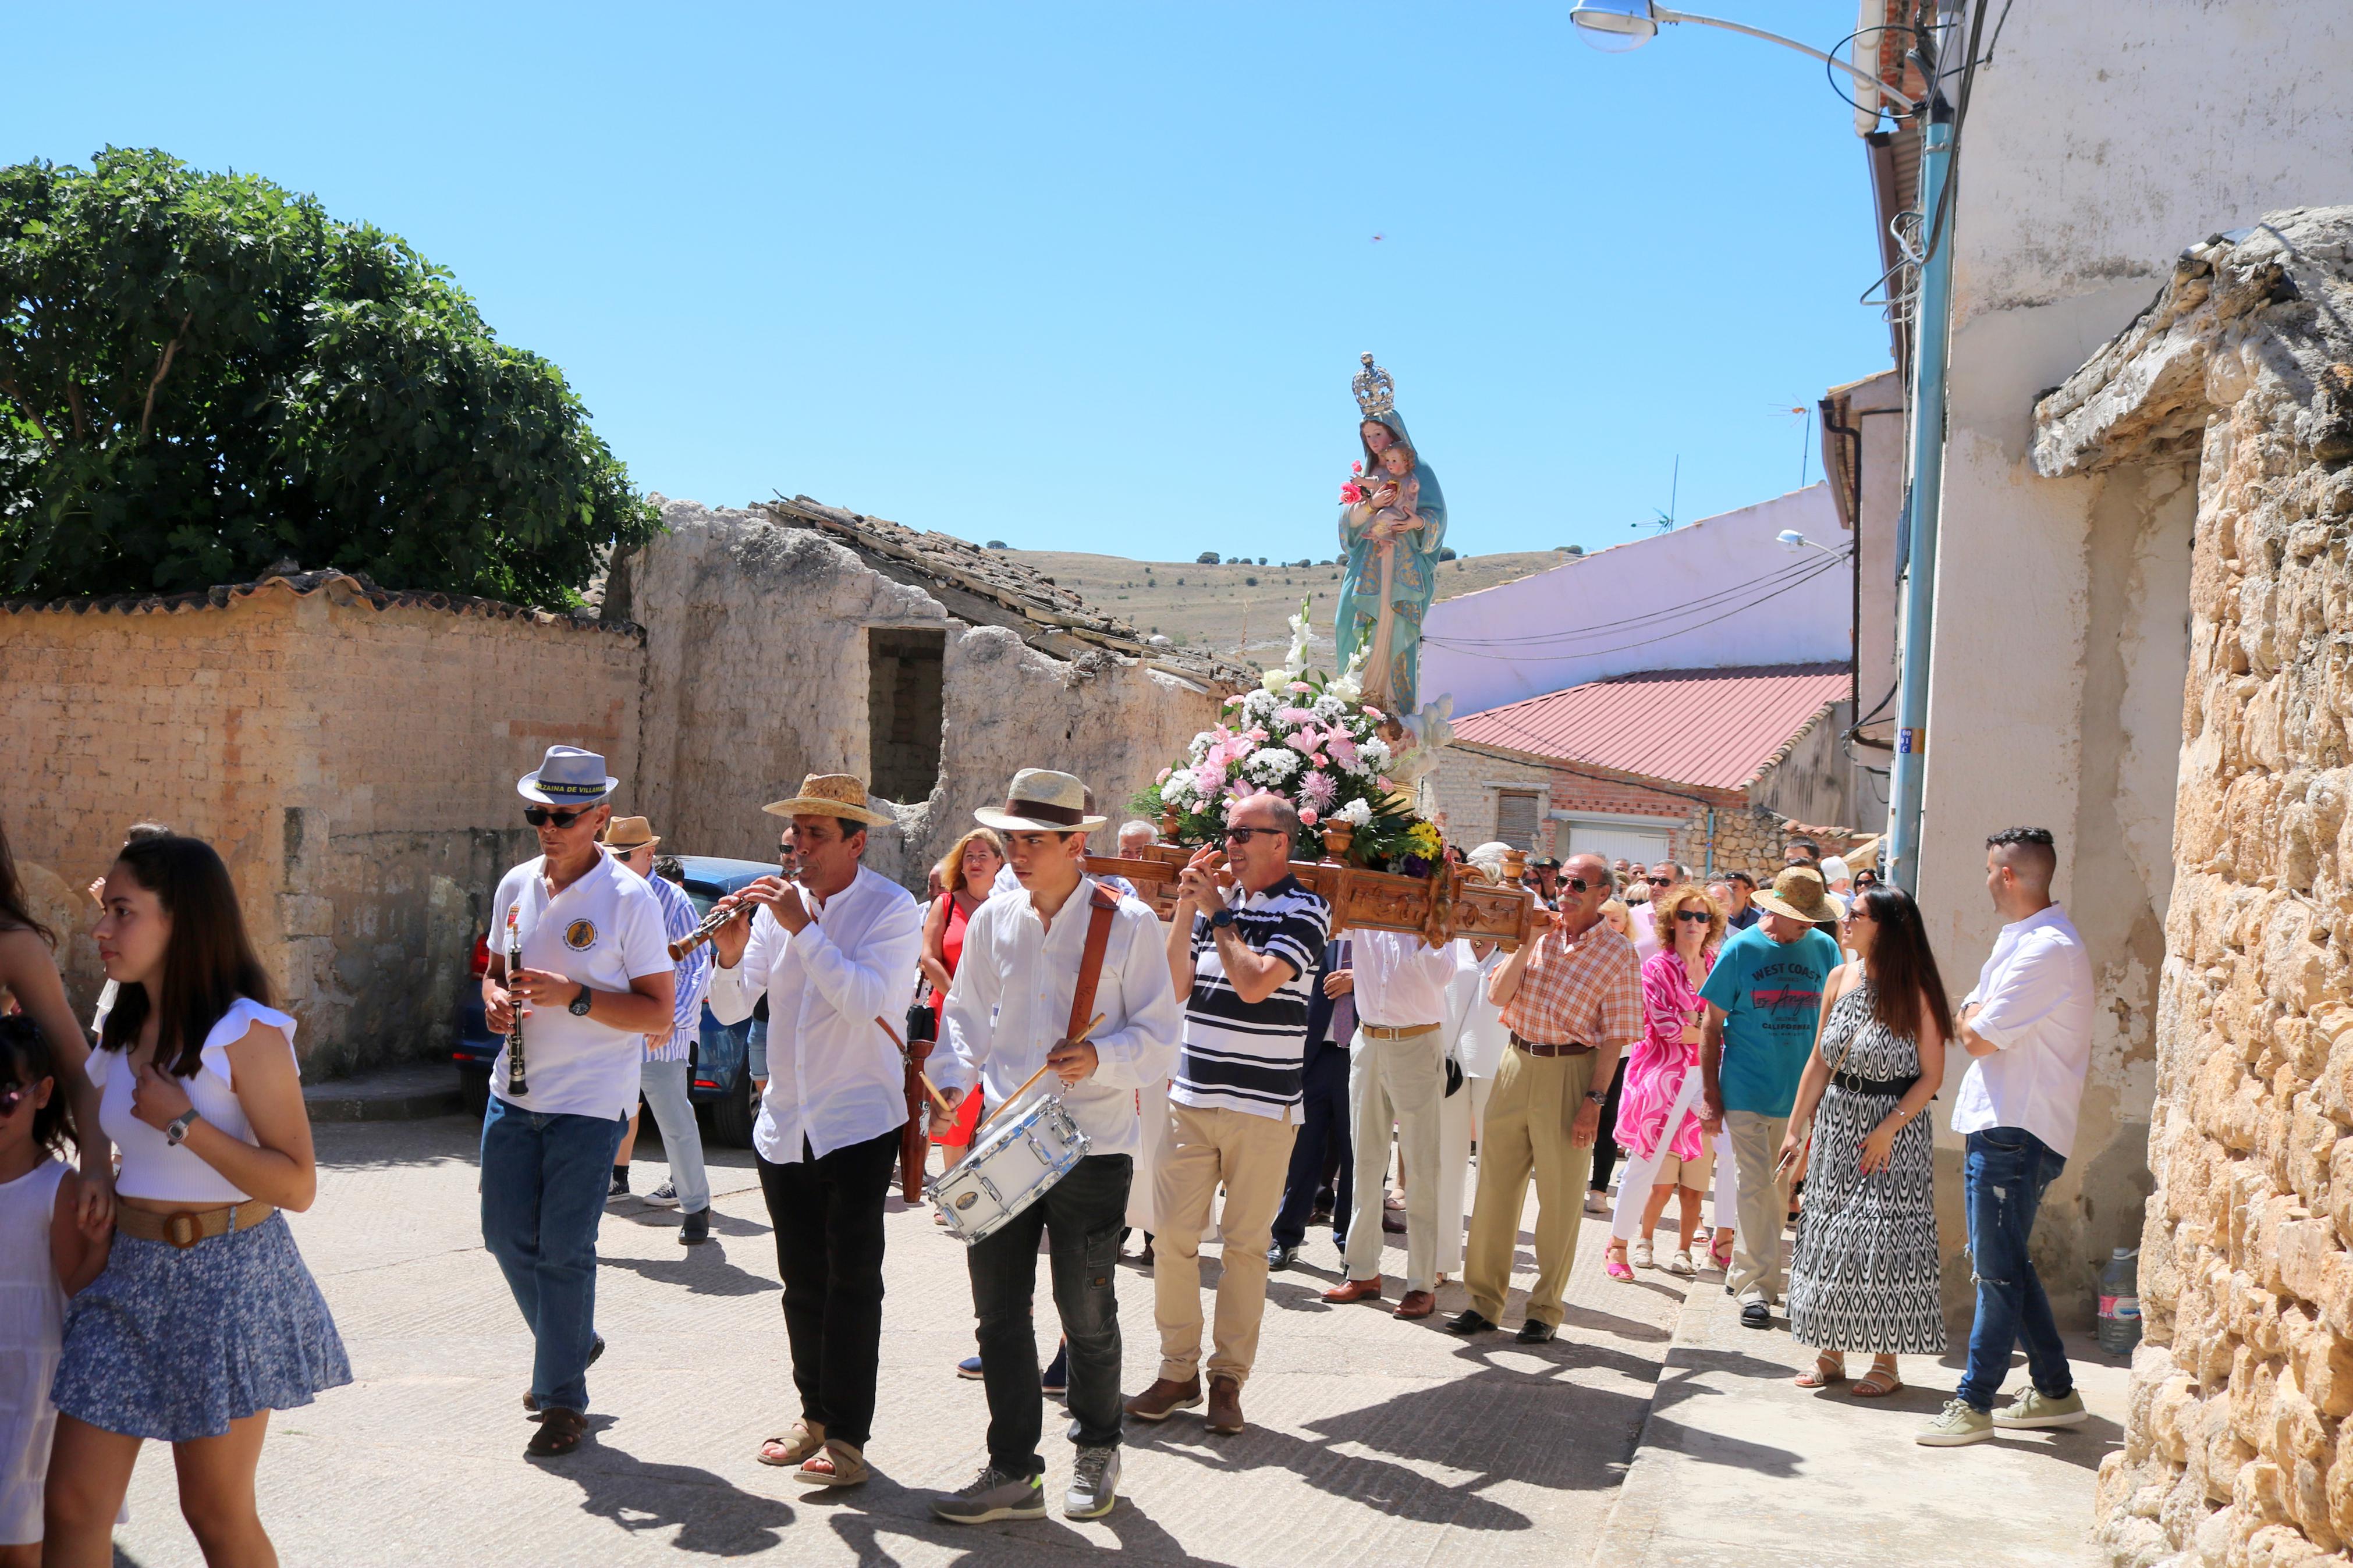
(541, 815)
(1697, 917)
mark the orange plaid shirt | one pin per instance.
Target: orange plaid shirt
(1588, 995)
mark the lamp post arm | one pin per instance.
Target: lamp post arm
(1907, 105)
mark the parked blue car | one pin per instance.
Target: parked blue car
(720, 1083)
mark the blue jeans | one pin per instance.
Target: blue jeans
(1322, 1128)
(2003, 1178)
(665, 1086)
(545, 1177)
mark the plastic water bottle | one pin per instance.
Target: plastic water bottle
(2120, 1302)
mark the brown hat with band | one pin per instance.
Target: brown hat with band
(1798, 893)
(624, 833)
(1041, 800)
(830, 795)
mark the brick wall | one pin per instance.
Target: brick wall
(351, 757)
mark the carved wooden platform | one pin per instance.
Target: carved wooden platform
(1440, 907)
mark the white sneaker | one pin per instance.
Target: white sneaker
(664, 1196)
(1094, 1484)
(1680, 1263)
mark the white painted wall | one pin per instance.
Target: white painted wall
(1569, 624)
(2102, 140)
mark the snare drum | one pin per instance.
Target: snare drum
(1026, 1149)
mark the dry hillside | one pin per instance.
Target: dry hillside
(1243, 610)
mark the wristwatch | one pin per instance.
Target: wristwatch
(177, 1128)
(1223, 919)
(579, 1007)
(1597, 1097)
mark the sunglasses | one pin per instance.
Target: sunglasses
(541, 815)
(1659, 881)
(1697, 917)
(11, 1097)
(1577, 884)
(1244, 834)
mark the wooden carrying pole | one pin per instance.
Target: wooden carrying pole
(914, 1146)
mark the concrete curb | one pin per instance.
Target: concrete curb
(1626, 1533)
(410, 1092)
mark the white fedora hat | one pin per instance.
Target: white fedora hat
(1041, 801)
(567, 776)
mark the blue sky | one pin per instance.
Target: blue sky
(1080, 277)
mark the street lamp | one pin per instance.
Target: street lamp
(1614, 26)
(1790, 539)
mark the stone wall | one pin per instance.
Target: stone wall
(350, 753)
(757, 659)
(2234, 1452)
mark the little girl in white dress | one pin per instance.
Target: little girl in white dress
(45, 1257)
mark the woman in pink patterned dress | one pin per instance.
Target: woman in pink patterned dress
(1658, 1121)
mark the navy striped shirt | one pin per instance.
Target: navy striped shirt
(1247, 1056)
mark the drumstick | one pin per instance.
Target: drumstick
(1036, 1076)
(921, 1075)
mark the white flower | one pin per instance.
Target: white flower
(1272, 764)
(1261, 703)
(1374, 754)
(1357, 812)
(1274, 680)
(1346, 688)
(1179, 788)
(1328, 707)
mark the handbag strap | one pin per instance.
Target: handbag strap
(1091, 963)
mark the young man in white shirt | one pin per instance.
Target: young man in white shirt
(833, 951)
(596, 979)
(1396, 1075)
(2027, 1028)
(1019, 1003)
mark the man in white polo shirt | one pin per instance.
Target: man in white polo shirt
(2027, 1028)
(596, 979)
(833, 951)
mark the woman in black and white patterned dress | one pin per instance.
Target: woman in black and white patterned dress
(1863, 1275)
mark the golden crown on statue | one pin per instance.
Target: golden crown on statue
(1376, 390)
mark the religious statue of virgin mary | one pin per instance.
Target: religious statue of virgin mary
(1392, 536)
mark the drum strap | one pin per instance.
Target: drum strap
(1091, 963)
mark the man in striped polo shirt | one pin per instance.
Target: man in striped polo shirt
(1243, 941)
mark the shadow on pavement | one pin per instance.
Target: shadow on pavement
(715, 1515)
(700, 1270)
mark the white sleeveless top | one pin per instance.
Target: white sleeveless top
(155, 1169)
(32, 1332)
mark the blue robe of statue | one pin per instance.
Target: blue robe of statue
(1412, 566)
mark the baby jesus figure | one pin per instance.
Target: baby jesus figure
(1396, 494)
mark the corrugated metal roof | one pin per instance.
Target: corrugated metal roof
(1717, 729)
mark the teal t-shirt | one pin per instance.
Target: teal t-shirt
(1771, 994)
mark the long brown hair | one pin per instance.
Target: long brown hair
(1906, 969)
(951, 865)
(209, 962)
(13, 914)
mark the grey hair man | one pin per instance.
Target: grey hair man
(1136, 836)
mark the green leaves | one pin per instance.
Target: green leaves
(201, 375)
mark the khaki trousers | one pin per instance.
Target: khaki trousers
(1527, 1132)
(1758, 1257)
(1400, 1083)
(1250, 1156)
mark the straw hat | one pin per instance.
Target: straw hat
(1041, 800)
(830, 795)
(624, 833)
(1798, 893)
(567, 776)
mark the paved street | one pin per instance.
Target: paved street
(1371, 1440)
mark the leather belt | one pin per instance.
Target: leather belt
(1893, 1087)
(190, 1226)
(1383, 1032)
(1539, 1048)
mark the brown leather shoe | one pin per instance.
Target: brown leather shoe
(1224, 1412)
(1349, 1291)
(1416, 1304)
(1164, 1398)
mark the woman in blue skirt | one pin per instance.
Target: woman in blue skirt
(205, 1319)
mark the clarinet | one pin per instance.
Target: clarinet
(515, 1084)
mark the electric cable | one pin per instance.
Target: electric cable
(1800, 571)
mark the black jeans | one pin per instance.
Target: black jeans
(828, 1214)
(1605, 1138)
(1323, 1125)
(1081, 1216)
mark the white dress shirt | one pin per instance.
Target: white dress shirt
(1011, 1001)
(1642, 925)
(2034, 998)
(1474, 1025)
(834, 1076)
(1400, 979)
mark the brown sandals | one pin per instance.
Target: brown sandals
(560, 1432)
(796, 1445)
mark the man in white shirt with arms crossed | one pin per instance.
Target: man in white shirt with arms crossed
(833, 951)
(2027, 1028)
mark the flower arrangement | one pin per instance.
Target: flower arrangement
(1309, 739)
(1353, 488)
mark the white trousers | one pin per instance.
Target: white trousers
(1641, 1172)
(1457, 1114)
(1396, 1084)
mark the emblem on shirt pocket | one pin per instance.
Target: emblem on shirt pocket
(580, 935)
